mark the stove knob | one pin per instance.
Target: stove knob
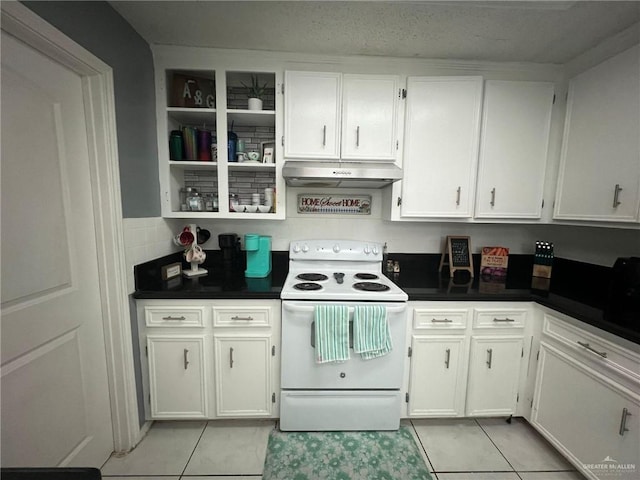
(367, 250)
(375, 250)
(296, 248)
(305, 248)
(336, 248)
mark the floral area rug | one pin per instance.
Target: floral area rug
(367, 455)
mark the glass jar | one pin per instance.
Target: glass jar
(195, 202)
(185, 192)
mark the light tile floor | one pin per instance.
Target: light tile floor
(454, 449)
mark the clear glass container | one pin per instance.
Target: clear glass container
(195, 202)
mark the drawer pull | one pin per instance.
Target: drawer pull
(324, 135)
(242, 318)
(493, 197)
(458, 196)
(623, 421)
(489, 357)
(358, 136)
(503, 320)
(230, 357)
(441, 320)
(591, 349)
(186, 358)
(616, 195)
(447, 357)
(174, 318)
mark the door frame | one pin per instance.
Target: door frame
(99, 100)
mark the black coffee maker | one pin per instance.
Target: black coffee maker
(231, 254)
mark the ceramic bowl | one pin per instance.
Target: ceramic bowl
(264, 208)
(251, 208)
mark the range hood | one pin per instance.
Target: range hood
(299, 173)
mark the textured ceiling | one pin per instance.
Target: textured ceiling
(530, 31)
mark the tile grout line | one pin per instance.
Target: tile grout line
(498, 448)
(206, 424)
(423, 449)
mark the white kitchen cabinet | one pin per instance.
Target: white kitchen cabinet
(195, 93)
(599, 177)
(331, 116)
(437, 382)
(513, 149)
(243, 364)
(177, 376)
(587, 399)
(494, 375)
(210, 358)
(442, 129)
(312, 115)
(369, 117)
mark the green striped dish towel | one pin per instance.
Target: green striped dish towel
(371, 335)
(332, 333)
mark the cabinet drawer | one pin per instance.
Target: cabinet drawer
(242, 316)
(499, 318)
(449, 319)
(597, 349)
(163, 316)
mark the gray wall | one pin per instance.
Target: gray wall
(101, 30)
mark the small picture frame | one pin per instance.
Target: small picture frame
(268, 152)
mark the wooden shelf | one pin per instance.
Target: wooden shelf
(257, 118)
(193, 116)
(193, 165)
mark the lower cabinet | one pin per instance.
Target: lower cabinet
(494, 375)
(462, 367)
(210, 359)
(243, 375)
(177, 376)
(586, 405)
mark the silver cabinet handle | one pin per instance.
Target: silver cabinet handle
(447, 357)
(358, 136)
(623, 422)
(174, 318)
(441, 320)
(186, 358)
(324, 135)
(489, 356)
(616, 195)
(503, 320)
(493, 197)
(458, 195)
(591, 349)
(230, 357)
(242, 318)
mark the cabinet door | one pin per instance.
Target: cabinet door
(599, 175)
(513, 149)
(494, 373)
(438, 376)
(312, 115)
(369, 115)
(243, 375)
(441, 146)
(177, 376)
(586, 416)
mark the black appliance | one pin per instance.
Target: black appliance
(231, 254)
(623, 306)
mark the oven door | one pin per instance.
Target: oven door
(300, 371)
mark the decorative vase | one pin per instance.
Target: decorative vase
(255, 103)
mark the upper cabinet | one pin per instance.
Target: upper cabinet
(442, 129)
(599, 176)
(212, 137)
(513, 149)
(332, 116)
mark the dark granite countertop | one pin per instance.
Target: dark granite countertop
(577, 289)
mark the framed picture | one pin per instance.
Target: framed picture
(268, 152)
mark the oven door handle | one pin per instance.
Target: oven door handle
(309, 308)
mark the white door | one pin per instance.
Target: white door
(513, 149)
(55, 395)
(312, 104)
(438, 373)
(243, 375)
(494, 374)
(442, 134)
(369, 115)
